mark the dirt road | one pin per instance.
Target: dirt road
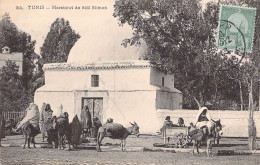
(113, 155)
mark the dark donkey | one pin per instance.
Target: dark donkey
(116, 131)
(29, 132)
(198, 135)
(61, 124)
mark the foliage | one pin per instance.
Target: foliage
(59, 41)
(15, 89)
(181, 40)
(13, 96)
(18, 41)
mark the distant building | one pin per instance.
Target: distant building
(17, 57)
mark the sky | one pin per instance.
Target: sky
(101, 36)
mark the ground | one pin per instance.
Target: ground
(134, 155)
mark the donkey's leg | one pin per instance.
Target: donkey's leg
(59, 141)
(208, 146)
(194, 143)
(101, 136)
(67, 136)
(33, 141)
(25, 141)
(124, 144)
(197, 145)
(29, 141)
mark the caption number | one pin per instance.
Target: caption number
(19, 8)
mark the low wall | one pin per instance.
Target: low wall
(235, 123)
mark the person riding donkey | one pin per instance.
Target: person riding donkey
(32, 116)
(203, 120)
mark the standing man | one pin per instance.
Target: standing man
(2, 127)
(46, 120)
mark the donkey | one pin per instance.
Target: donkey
(198, 135)
(116, 131)
(29, 132)
(61, 124)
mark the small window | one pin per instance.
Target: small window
(162, 81)
(94, 80)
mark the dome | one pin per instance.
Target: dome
(101, 40)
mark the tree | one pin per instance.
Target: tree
(58, 42)
(15, 90)
(18, 41)
(180, 39)
(12, 93)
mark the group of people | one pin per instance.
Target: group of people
(202, 119)
(42, 120)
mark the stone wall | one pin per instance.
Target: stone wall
(235, 122)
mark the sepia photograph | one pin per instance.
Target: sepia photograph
(130, 82)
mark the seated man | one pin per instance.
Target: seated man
(167, 123)
(203, 119)
(32, 116)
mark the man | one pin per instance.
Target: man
(167, 123)
(203, 119)
(2, 127)
(96, 125)
(46, 120)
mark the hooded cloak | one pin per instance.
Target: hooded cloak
(199, 113)
(86, 118)
(32, 115)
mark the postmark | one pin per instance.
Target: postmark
(236, 28)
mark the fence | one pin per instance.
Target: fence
(16, 116)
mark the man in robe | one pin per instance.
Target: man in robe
(86, 122)
(46, 120)
(203, 119)
(32, 116)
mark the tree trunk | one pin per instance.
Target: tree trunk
(241, 96)
(198, 103)
(251, 124)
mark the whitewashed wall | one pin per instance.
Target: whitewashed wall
(118, 79)
(235, 122)
(55, 99)
(138, 106)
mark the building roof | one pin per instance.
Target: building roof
(98, 65)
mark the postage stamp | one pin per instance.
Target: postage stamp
(236, 28)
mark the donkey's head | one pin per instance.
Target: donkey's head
(135, 129)
(218, 127)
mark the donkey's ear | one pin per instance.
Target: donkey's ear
(131, 123)
(135, 123)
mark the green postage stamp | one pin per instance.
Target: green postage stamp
(236, 28)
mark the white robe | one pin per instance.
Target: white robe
(200, 124)
(32, 115)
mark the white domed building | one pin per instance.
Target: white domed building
(110, 79)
